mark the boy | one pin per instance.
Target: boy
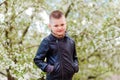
(58, 49)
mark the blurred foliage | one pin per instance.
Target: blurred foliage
(93, 24)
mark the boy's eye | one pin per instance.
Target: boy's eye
(62, 24)
(56, 25)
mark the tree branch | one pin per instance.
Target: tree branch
(14, 15)
(4, 2)
(3, 74)
(31, 46)
(93, 54)
(94, 77)
(112, 38)
(23, 35)
(68, 10)
(9, 76)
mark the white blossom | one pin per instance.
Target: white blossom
(2, 18)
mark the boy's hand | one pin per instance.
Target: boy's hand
(49, 68)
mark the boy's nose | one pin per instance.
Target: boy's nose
(59, 27)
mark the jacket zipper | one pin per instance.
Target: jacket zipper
(60, 59)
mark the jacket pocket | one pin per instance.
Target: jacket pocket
(75, 67)
(56, 68)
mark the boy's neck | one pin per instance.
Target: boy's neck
(58, 36)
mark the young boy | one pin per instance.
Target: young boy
(58, 49)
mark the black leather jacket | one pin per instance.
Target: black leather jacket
(59, 53)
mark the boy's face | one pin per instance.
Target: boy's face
(58, 26)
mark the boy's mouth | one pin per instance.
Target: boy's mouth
(60, 31)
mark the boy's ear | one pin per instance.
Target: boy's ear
(49, 26)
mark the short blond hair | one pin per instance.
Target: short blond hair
(56, 14)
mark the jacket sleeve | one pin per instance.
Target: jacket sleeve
(41, 54)
(75, 59)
